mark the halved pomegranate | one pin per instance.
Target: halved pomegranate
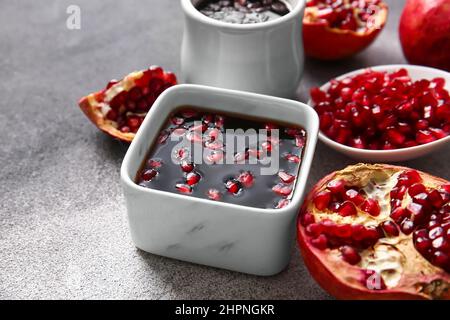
(120, 108)
(401, 252)
(335, 29)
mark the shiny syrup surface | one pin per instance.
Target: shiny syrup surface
(238, 179)
(242, 11)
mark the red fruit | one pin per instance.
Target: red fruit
(339, 250)
(214, 194)
(186, 166)
(128, 102)
(148, 175)
(192, 178)
(184, 188)
(321, 242)
(371, 206)
(282, 190)
(336, 186)
(347, 209)
(354, 196)
(322, 200)
(233, 186)
(286, 177)
(416, 189)
(282, 203)
(246, 179)
(424, 33)
(350, 255)
(390, 228)
(334, 30)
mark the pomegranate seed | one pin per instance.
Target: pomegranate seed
(215, 157)
(336, 186)
(421, 198)
(282, 190)
(214, 145)
(286, 177)
(371, 206)
(246, 179)
(149, 174)
(155, 163)
(183, 188)
(395, 137)
(435, 232)
(399, 214)
(299, 141)
(390, 228)
(214, 194)
(314, 229)
(282, 203)
(441, 244)
(192, 178)
(435, 198)
(307, 219)
(266, 146)
(111, 83)
(422, 244)
(187, 166)
(410, 177)
(416, 189)
(322, 200)
(440, 259)
(350, 255)
(407, 226)
(321, 242)
(112, 115)
(343, 231)
(346, 209)
(233, 186)
(292, 158)
(424, 136)
(415, 211)
(135, 94)
(354, 196)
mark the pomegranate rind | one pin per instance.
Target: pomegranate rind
(319, 37)
(342, 280)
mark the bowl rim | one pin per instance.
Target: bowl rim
(192, 12)
(304, 169)
(368, 152)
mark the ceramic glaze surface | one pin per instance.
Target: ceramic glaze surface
(264, 57)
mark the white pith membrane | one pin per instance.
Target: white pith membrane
(395, 259)
(375, 21)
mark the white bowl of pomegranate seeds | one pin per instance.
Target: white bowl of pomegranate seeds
(385, 113)
(221, 210)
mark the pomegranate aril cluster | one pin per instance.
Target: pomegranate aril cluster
(170, 164)
(128, 108)
(242, 11)
(382, 111)
(426, 216)
(346, 14)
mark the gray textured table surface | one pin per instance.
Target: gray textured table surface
(63, 226)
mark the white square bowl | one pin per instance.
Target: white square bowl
(240, 238)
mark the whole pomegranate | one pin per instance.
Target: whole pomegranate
(336, 29)
(376, 231)
(425, 32)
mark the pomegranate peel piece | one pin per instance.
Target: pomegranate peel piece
(120, 108)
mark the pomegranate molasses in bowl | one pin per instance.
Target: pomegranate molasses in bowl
(216, 177)
(244, 45)
(385, 113)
